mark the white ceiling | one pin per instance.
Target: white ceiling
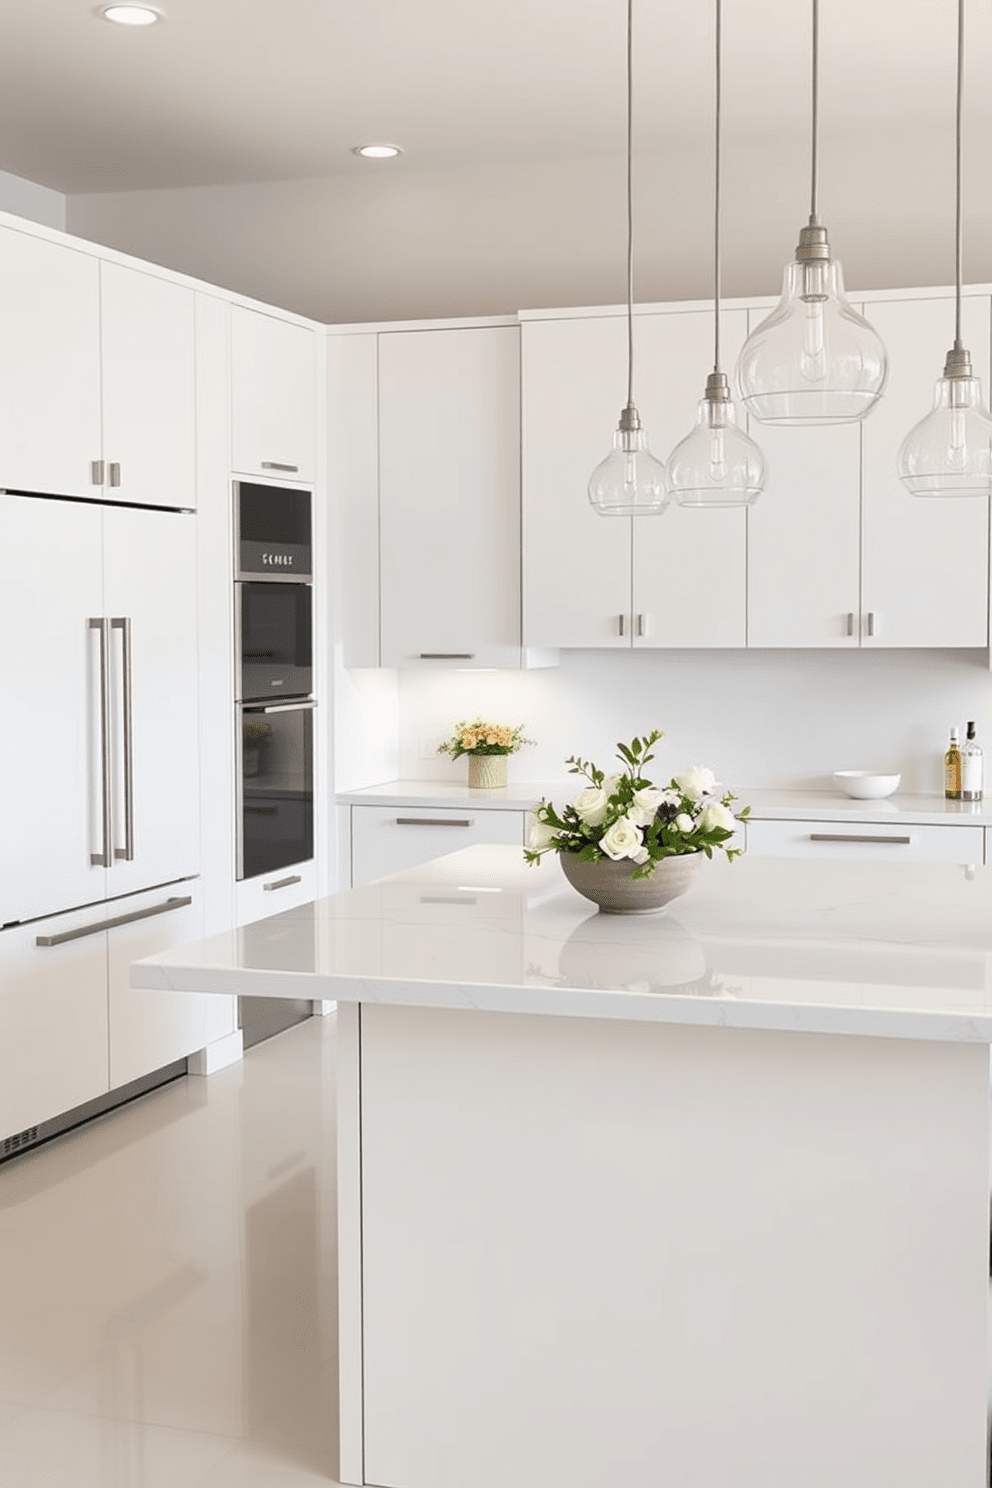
(237, 91)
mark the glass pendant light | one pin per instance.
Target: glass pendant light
(717, 464)
(814, 359)
(630, 481)
(949, 452)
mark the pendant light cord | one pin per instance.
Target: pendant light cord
(957, 179)
(814, 218)
(630, 204)
(716, 187)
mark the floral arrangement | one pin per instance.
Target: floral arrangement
(475, 736)
(628, 816)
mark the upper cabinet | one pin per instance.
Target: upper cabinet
(925, 559)
(677, 579)
(97, 380)
(424, 451)
(273, 396)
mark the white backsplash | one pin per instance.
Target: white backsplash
(758, 718)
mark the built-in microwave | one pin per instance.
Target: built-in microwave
(273, 601)
(273, 533)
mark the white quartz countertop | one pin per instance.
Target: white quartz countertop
(766, 804)
(880, 949)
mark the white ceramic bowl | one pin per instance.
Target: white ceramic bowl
(866, 785)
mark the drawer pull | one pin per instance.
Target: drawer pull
(434, 821)
(282, 883)
(278, 465)
(124, 919)
(857, 837)
(447, 655)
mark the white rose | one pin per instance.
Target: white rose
(644, 805)
(697, 782)
(541, 835)
(684, 823)
(623, 840)
(592, 804)
(715, 814)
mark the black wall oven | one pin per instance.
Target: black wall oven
(273, 624)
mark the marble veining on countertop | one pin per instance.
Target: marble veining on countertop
(868, 949)
(767, 804)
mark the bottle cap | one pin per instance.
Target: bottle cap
(954, 736)
(971, 730)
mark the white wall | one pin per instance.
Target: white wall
(758, 718)
(28, 199)
(411, 243)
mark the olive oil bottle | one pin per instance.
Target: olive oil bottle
(952, 768)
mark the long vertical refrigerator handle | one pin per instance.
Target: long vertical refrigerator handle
(123, 624)
(103, 859)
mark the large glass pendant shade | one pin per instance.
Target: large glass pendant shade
(630, 482)
(717, 464)
(949, 452)
(814, 359)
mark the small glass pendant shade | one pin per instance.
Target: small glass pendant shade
(949, 452)
(717, 464)
(630, 482)
(814, 359)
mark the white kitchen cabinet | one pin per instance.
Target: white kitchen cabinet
(449, 496)
(270, 893)
(925, 559)
(677, 579)
(72, 1028)
(149, 388)
(869, 841)
(387, 839)
(98, 377)
(353, 476)
(273, 396)
(71, 574)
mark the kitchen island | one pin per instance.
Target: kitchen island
(662, 1201)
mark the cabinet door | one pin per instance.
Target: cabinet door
(576, 564)
(51, 584)
(273, 396)
(151, 583)
(804, 540)
(925, 559)
(149, 1029)
(353, 477)
(449, 495)
(53, 1019)
(50, 368)
(149, 388)
(689, 567)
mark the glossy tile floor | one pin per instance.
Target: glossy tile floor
(167, 1307)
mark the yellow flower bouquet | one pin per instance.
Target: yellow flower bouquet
(476, 736)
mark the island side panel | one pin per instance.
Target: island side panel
(351, 1457)
(670, 1257)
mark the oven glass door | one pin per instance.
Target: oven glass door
(275, 629)
(275, 795)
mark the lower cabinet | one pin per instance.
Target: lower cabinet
(256, 898)
(868, 841)
(388, 839)
(71, 1026)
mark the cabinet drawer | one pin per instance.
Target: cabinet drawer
(895, 842)
(387, 839)
(271, 892)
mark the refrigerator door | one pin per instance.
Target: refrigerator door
(150, 599)
(52, 747)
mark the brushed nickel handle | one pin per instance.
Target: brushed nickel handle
(124, 919)
(103, 859)
(857, 837)
(850, 622)
(282, 883)
(447, 655)
(621, 624)
(642, 625)
(871, 622)
(275, 465)
(434, 821)
(123, 624)
(304, 705)
(96, 472)
(115, 473)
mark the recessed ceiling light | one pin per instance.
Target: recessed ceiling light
(131, 15)
(377, 152)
